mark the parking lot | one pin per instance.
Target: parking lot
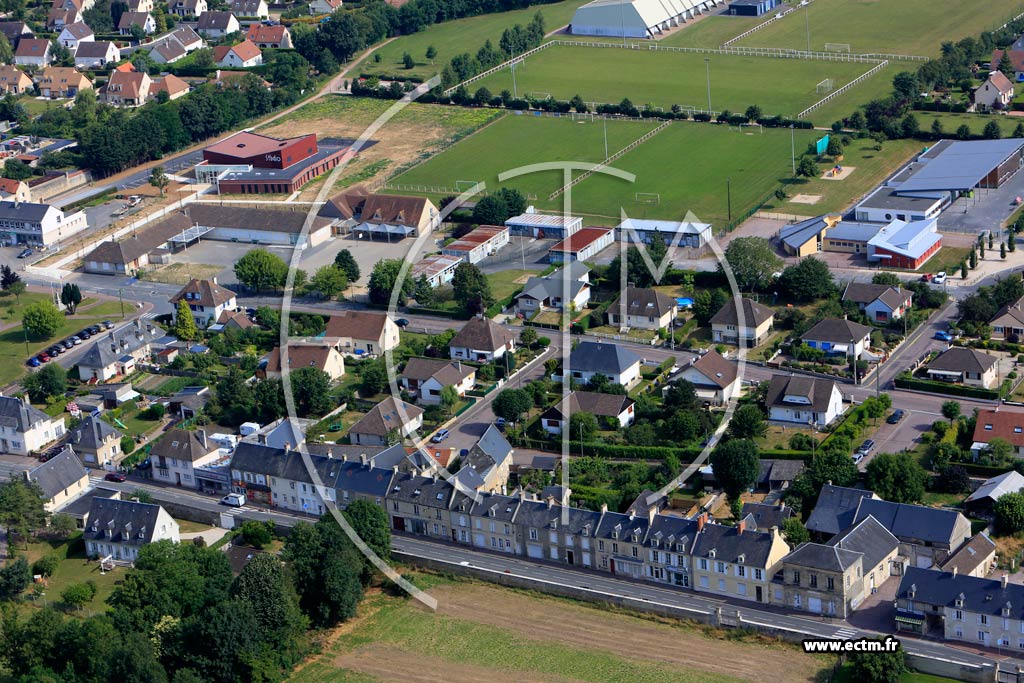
(986, 210)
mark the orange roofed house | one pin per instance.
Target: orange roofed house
(127, 88)
(1004, 424)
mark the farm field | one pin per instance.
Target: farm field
(533, 639)
(711, 31)
(455, 37)
(663, 79)
(912, 27)
(520, 140)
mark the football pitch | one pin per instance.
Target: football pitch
(664, 78)
(908, 27)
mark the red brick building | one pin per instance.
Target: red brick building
(285, 165)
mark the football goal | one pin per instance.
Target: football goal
(824, 87)
(837, 47)
(538, 96)
(650, 198)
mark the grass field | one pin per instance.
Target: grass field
(455, 37)
(914, 27)
(711, 31)
(663, 79)
(520, 140)
(976, 122)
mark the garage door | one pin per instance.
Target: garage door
(478, 541)
(535, 551)
(814, 605)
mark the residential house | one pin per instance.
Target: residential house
(206, 299)
(62, 82)
(733, 561)
(241, 56)
(970, 367)
(94, 54)
(323, 357)
(362, 332)
(995, 93)
(62, 479)
(267, 37)
(612, 411)
(126, 88)
(486, 466)
(14, 81)
(618, 364)
(548, 531)
(757, 323)
(249, 8)
(189, 401)
(380, 216)
(777, 475)
(141, 5)
(235, 320)
(118, 528)
(130, 253)
(1016, 60)
(59, 17)
(324, 6)
(668, 546)
(805, 400)
(174, 46)
(715, 379)
(765, 516)
(25, 429)
(1003, 423)
(35, 224)
(170, 84)
(187, 8)
(566, 289)
(927, 535)
(217, 24)
(115, 353)
(419, 505)
(981, 500)
(33, 52)
(1008, 322)
(73, 35)
(14, 31)
(835, 510)
(486, 522)
(976, 557)
(388, 422)
(178, 452)
(620, 543)
(15, 190)
(482, 340)
(142, 20)
(97, 442)
(424, 378)
(880, 303)
(645, 309)
(838, 335)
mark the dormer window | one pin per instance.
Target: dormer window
(636, 537)
(1006, 608)
(585, 531)
(712, 552)
(959, 598)
(742, 558)
(554, 524)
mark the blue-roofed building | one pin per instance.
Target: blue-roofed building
(806, 237)
(905, 245)
(543, 225)
(850, 237)
(679, 233)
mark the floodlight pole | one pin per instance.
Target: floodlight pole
(707, 69)
(515, 91)
(792, 146)
(728, 196)
(604, 120)
(807, 26)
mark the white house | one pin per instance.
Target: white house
(62, 479)
(614, 409)
(970, 367)
(426, 377)
(143, 20)
(217, 24)
(438, 269)
(75, 34)
(995, 93)
(25, 429)
(118, 528)
(96, 53)
(804, 400)
(566, 289)
(714, 378)
(617, 363)
(187, 8)
(241, 56)
(206, 299)
(323, 357)
(362, 332)
(880, 303)
(33, 52)
(176, 455)
(481, 340)
(838, 335)
(387, 423)
(116, 353)
(755, 328)
(250, 8)
(645, 309)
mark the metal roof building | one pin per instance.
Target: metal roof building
(634, 18)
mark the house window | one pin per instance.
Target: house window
(741, 570)
(831, 583)
(983, 619)
(721, 585)
(703, 582)
(533, 534)
(814, 580)
(796, 578)
(758, 574)
(600, 546)
(703, 564)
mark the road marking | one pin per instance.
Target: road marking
(148, 316)
(845, 634)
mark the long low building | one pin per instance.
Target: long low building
(635, 18)
(478, 244)
(37, 224)
(679, 233)
(233, 223)
(439, 269)
(129, 254)
(581, 246)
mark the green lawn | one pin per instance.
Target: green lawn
(916, 27)
(877, 87)
(976, 122)
(662, 78)
(711, 31)
(504, 283)
(947, 259)
(73, 568)
(129, 417)
(455, 37)
(516, 141)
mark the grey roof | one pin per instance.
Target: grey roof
(998, 486)
(350, 475)
(269, 220)
(182, 444)
(853, 231)
(835, 509)
(729, 544)
(971, 555)
(716, 369)
(917, 522)
(670, 531)
(797, 234)
(92, 433)
(608, 359)
(492, 450)
(643, 302)
(432, 492)
(501, 508)
(960, 359)
(18, 415)
(959, 165)
(778, 470)
(397, 455)
(445, 372)
(625, 526)
(837, 331)
(984, 596)
(595, 403)
(80, 506)
(817, 390)
(866, 292)
(868, 537)
(824, 557)
(24, 211)
(767, 516)
(245, 8)
(386, 416)
(553, 285)
(140, 242)
(109, 347)
(482, 334)
(753, 313)
(538, 514)
(131, 522)
(214, 20)
(58, 473)
(1014, 309)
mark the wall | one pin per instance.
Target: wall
(52, 186)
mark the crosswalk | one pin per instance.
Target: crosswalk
(148, 316)
(845, 634)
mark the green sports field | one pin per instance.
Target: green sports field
(521, 140)
(909, 27)
(662, 79)
(711, 30)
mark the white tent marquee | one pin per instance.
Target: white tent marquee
(635, 18)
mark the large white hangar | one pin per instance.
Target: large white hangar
(634, 18)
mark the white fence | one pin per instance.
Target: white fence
(495, 69)
(836, 93)
(757, 28)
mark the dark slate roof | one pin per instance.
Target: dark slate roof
(626, 525)
(433, 492)
(247, 218)
(644, 302)
(182, 444)
(18, 415)
(482, 334)
(214, 20)
(959, 359)
(837, 331)
(27, 211)
(779, 470)
(58, 473)
(92, 433)
(971, 554)
(113, 514)
(767, 516)
(595, 403)
(492, 449)
(109, 347)
(538, 514)
(753, 313)
(868, 537)
(866, 292)
(608, 359)
(918, 522)
(824, 557)
(445, 372)
(729, 544)
(140, 242)
(835, 509)
(334, 472)
(386, 416)
(669, 531)
(501, 508)
(817, 390)
(984, 596)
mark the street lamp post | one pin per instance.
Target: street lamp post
(707, 70)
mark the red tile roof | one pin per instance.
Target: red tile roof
(1003, 424)
(580, 240)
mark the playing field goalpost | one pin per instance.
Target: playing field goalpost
(825, 87)
(539, 96)
(650, 198)
(837, 47)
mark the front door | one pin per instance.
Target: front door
(178, 476)
(760, 594)
(569, 557)
(399, 523)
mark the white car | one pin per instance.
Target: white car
(235, 500)
(939, 278)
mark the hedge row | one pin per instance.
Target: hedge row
(455, 314)
(947, 389)
(501, 304)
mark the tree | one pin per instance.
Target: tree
(896, 477)
(885, 278)
(311, 388)
(449, 397)
(1008, 511)
(158, 179)
(807, 168)
(431, 53)
(511, 404)
(753, 112)
(325, 570)
(261, 271)
(257, 534)
(16, 169)
(835, 147)
(491, 210)
(582, 426)
(264, 586)
(384, 279)
(905, 84)
(954, 479)
(963, 270)
(70, 296)
(706, 303)
(42, 319)
(8, 277)
(77, 595)
(1002, 250)
(6, 51)
(808, 280)
(748, 422)
(1011, 241)
(752, 261)
(472, 289)
(344, 260)
(1006, 65)
(21, 507)
(374, 379)
(185, 323)
(50, 381)
(528, 337)
(883, 666)
(950, 410)
(991, 131)
(937, 130)
(14, 578)
(736, 465)
(408, 62)
(370, 523)
(328, 280)
(794, 532)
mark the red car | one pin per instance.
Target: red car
(44, 356)
(115, 476)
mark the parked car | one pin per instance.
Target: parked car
(25, 253)
(402, 322)
(54, 351)
(866, 447)
(107, 324)
(65, 344)
(896, 416)
(115, 476)
(927, 277)
(500, 423)
(440, 436)
(45, 357)
(939, 278)
(236, 500)
(943, 336)
(84, 334)
(75, 340)
(95, 329)
(33, 362)
(857, 457)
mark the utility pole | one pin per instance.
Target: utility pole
(120, 298)
(807, 26)
(515, 90)
(728, 196)
(792, 146)
(604, 120)
(707, 69)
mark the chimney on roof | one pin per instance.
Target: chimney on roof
(702, 519)
(214, 279)
(362, 459)
(1005, 580)
(550, 500)
(742, 526)
(28, 475)
(955, 571)
(287, 446)
(261, 439)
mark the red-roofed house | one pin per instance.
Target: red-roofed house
(14, 190)
(581, 245)
(999, 424)
(127, 88)
(170, 84)
(1016, 59)
(270, 36)
(241, 56)
(33, 52)
(995, 93)
(478, 244)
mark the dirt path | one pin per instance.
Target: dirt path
(624, 636)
